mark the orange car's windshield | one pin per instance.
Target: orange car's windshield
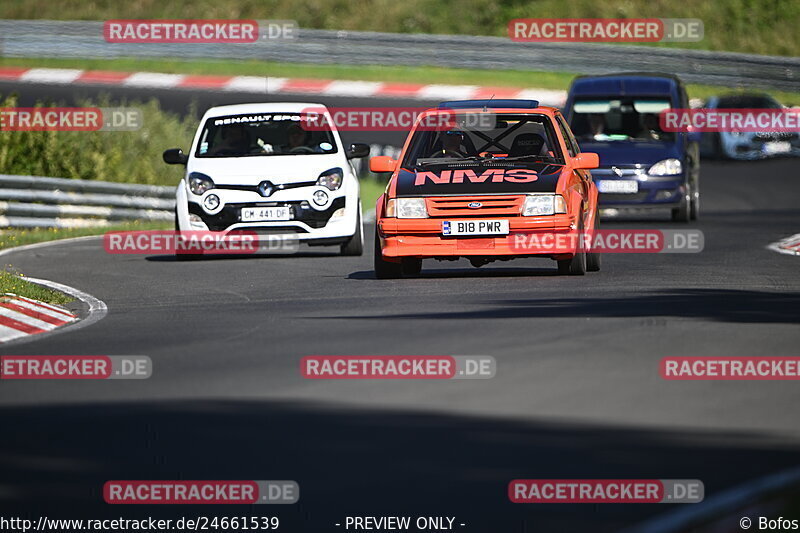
(493, 137)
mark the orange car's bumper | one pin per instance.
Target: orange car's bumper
(545, 235)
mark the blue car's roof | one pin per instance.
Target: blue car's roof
(496, 104)
(623, 85)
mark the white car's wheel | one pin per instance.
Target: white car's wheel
(355, 246)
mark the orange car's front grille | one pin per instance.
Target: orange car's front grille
(459, 206)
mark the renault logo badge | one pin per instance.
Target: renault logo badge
(266, 188)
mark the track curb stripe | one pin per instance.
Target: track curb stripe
(20, 326)
(16, 333)
(259, 85)
(789, 245)
(33, 314)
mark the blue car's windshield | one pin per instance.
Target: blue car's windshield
(619, 119)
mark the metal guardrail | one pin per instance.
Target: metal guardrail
(43, 202)
(84, 39)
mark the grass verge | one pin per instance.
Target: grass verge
(19, 237)
(448, 76)
(15, 283)
(760, 27)
(371, 189)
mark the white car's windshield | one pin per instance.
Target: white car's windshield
(264, 134)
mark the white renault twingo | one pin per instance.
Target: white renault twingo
(273, 169)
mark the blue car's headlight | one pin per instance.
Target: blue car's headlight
(200, 183)
(666, 167)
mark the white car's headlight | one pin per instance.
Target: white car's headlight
(543, 204)
(200, 183)
(406, 208)
(331, 179)
(666, 167)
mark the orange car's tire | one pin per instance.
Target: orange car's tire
(412, 266)
(593, 258)
(577, 265)
(385, 269)
(573, 267)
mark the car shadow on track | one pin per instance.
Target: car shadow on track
(351, 461)
(718, 305)
(465, 273)
(233, 257)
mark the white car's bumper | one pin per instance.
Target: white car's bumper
(334, 222)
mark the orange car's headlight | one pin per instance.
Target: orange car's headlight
(543, 204)
(406, 208)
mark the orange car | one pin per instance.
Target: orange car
(484, 180)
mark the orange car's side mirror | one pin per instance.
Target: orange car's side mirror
(587, 160)
(382, 163)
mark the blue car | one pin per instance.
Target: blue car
(641, 166)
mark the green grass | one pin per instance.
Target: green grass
(755, 26)
(19, 237)
(371, 189)
(455, 76)
(119, 156)
(15, 283)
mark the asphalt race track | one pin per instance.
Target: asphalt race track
(577, 392)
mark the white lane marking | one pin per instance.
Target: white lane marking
(789, 245)
(152, 79)
(60, 315)
(51, 75)
(447, 92)
(7, 334)
(25, 319)
(352, 88)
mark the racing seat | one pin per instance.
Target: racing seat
(526, 144)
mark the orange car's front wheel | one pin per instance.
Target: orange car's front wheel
(385, 269)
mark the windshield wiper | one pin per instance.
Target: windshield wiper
(426, 161)
(544, 158)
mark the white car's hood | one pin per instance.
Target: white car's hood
(275, 168)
